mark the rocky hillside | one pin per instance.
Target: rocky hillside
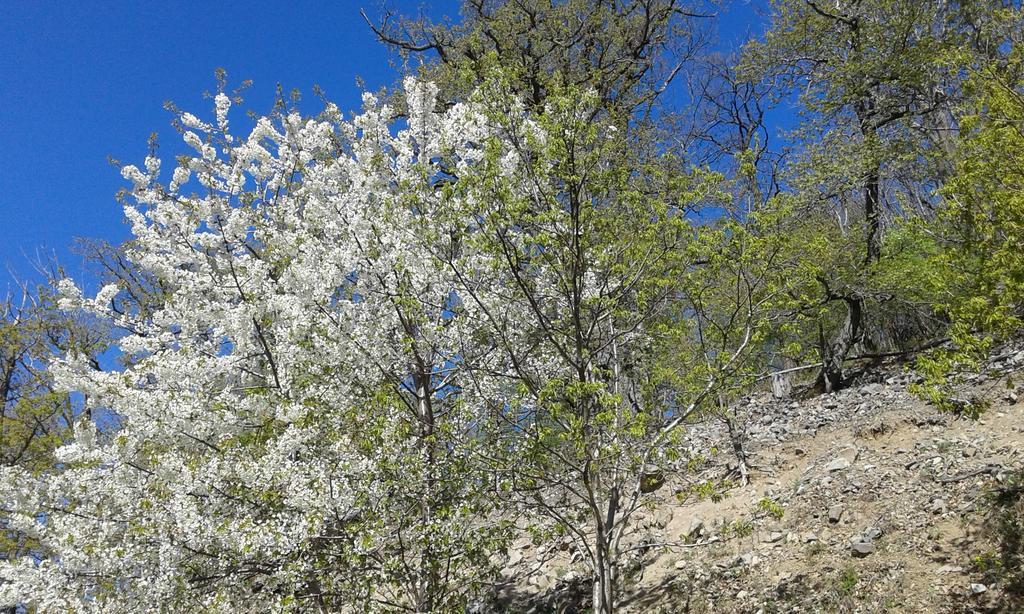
(867, 500)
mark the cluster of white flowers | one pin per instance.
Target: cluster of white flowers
(264, 446)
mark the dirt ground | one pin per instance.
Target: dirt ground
(867, 500)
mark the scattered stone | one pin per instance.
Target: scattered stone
(773, 537)
(514, 558)
(872, 390)
(862, 549)
(938, 506)
(949, 569)
(872, 533)
(835, 513)
(696, 527)
(652, 479)
(977, 589)
(837, 465)
(523, 543)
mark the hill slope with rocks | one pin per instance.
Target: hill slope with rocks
(865, 500)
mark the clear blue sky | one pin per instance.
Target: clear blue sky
(84, 81)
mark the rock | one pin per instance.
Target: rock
(938, 506)
(871, 390)
(773, 537)
(680, 564)
(514, 558)
(862, 549)
(850, 453)
(835, 513)
(695, 528)
(810, 537)
(949, 569)
(749, 559)
(844, 459)
(872, 533)
(542, 581)
(1011, 397)
(977, 589)
(837, 465)
(742, 595)
(523, 543)
(652, 479)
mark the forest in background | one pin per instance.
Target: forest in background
(357, 354)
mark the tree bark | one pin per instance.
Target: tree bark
(604, 575)
(834, 354)
(872, 206)
(429, 579)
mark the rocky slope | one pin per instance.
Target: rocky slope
(867, 500)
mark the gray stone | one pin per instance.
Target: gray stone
(835, 513)
(838, 465)
(695, 528)
(862, 549)
(977, 589)
(871, 389)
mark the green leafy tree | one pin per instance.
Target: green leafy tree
(877, 80)
(982, 224)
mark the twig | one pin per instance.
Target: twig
(989, 469)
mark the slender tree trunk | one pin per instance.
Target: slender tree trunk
(604, 574)
(603, 553)
(736, 438)
(852, 332)
(872, 206)
(429, 580)
(835, 353)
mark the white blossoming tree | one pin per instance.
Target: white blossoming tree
(294, 426)
(370, 346)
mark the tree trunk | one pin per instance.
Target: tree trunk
(872, 206)
(835, 353)
(736, 438)
(604, 576)
(429, 578)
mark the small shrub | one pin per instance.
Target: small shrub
(847, 582)
(742, 528)
(771, 507)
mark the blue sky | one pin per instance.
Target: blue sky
(84, 81)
